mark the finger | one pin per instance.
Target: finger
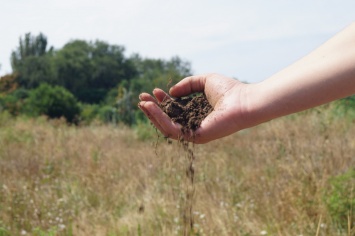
(189, 85)
(160, 95)
(160, 120)
(146, 97)
(143, 106)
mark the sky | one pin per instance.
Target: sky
(249, 40)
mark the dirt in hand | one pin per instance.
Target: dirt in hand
(187, 111)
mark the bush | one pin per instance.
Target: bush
(89, 113)
(108, 114)
(54, 102)
(13, 102)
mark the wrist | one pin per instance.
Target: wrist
(255, 106)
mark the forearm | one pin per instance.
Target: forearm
(326, 74)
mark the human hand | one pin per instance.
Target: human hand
(228, 97)
(324, 75)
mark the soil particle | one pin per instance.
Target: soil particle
(189, 112)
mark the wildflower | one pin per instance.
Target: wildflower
(61, 226)
(264, 232)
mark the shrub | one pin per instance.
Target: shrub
(89, 113)
(54, 102)
(108, 114)
(13, 102)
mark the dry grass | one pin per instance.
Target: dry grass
(101, 180)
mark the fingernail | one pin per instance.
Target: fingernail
(140, 105)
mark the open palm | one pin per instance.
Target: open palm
(226, 95)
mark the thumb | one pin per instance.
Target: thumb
(189, 85)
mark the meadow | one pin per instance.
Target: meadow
(290, 176)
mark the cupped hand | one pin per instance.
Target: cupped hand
(228, 97)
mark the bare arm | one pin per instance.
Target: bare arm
(326, 74)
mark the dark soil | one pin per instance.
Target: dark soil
(189, 112)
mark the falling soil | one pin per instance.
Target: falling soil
(189, 112)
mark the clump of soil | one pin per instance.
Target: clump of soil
(189, 112)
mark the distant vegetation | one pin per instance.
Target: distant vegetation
(87, 81)
(95, 76)
(291, 176)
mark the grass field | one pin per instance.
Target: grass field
(291, 176)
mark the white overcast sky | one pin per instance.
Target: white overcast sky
(248, 40)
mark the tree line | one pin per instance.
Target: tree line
(83, 80)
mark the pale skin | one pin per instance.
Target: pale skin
(324, 75)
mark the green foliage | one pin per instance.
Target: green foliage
(89, 70)
(108, 114)
(125, 106)
(54, 102)
(29, 46)
(74, 65)
(349, 102)
(346, 107)
(8, 83)
(51, 232)
(13, 102)
(340, 198)
(3, 230)
(93, 72)
(91, 95)
(89, 112)
(36, 70)
(158, 73)
(32, 61)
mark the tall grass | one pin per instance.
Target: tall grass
(280, 178)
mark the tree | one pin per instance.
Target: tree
(89, 70)
(153, 73)
(92, 72)
(110, 65)
(74, 66)
(31, 61)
